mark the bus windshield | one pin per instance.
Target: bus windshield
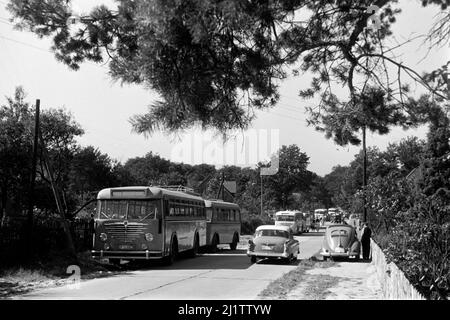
(284, 218)
(128, 209)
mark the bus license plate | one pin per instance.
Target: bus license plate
(125, 246)
(266, 247)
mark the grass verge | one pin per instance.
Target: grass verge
(279, 289)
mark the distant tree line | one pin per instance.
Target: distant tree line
(80, 172)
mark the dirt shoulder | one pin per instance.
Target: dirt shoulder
(50, 273)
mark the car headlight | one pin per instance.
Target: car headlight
(144, 246)
(148, 237)
(107, 246)
(103, 236)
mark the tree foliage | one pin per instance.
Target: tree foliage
(214, 63)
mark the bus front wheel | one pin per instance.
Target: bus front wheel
(170, 259)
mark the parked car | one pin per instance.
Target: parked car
(275, 242)
(340, 240)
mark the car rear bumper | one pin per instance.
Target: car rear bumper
(339, 254)
(144, 254)
(267, 254)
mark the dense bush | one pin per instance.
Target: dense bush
(252, 221)
(411, 217)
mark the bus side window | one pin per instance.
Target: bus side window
(216, 214)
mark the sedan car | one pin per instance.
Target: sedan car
(340, 240)
(275, 242)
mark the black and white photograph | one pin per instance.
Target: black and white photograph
(227, 157)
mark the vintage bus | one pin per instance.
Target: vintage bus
(294, 219)
(320, 214)
(148, 223)
(223, 224)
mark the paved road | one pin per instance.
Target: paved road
(222, 276)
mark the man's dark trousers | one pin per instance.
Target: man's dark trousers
(366, 249)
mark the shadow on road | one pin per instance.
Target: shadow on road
(278, 262)
(223, 259)
(312, 234)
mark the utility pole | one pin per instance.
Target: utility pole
(221, 187)
(56, 194)
(261, 194)
(29, 236)
(364, 174)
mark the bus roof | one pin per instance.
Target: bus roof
(219, 203)
(142, 192)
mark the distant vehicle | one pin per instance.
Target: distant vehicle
(223, 224)
(274, 242)
(340, 240)
(354, 219)
(292, 219)
(333, 212)
(139, 222)
(320, 213)
(355, 216)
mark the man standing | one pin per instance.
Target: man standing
(366, 233)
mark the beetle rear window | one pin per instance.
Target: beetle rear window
(337, 233)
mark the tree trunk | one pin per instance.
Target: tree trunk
(4, 197)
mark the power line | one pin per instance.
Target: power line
(42, 49)
(25, 44)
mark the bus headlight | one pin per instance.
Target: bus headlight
(103, 236)
(148, 237)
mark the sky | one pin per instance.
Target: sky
(104, 107)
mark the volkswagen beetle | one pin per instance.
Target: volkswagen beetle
(340, 240)
(275, 242)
